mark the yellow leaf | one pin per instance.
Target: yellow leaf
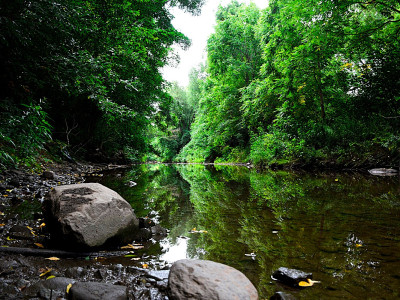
(2, 224)
(53, 258)
(50, 277)
(42, 225)
(309, 283)
(358, 245)
(68, 287)
(145, 266)
(30, 228)
(99, 258)
(134, 247)
(39, 245)
(46, 271)
(5, 195)
(304, 284)
(336, 179)
(10, 239)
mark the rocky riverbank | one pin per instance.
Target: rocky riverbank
(33, 276)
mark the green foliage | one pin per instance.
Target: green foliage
(172, 130)
(22, 133)
(301, 82)
(97, 63)
(234, 57)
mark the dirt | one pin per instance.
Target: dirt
(22, 226)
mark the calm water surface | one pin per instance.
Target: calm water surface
(344, 228)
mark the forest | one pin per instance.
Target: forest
(298, 83)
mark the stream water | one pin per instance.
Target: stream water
(344, 228)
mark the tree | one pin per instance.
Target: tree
(95, 62)
(233, 60)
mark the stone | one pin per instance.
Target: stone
(143, 234)
(97, 291)
(158, 274)
(158, 230)
(74, 272)
(21, 233)
(203, 279)
(50, 288)
(383, 172)
(49, 175)
(290, 277)
(89, 215)
(282, 296)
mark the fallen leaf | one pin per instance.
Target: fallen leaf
(309, 283)
(45, 271)
(50, 277)
(42, 225)
(304, 284)
(145, 266)
(10, 239)
(358, 245)
(68, 287)
(2, 224)
(99, 258)
(53, 258)
(30, 228)
(39, 245)
(134, 247)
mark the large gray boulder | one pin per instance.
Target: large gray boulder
(203, 279)
(89, 215)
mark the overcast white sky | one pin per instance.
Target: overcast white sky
(198, 29)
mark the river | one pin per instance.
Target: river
(342, 227)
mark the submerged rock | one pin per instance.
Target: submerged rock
(202, 279)
(290, 277)
(89, 215)
(282, 296)
(383, 172)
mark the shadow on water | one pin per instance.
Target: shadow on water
(344, 228)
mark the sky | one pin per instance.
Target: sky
(197, 29)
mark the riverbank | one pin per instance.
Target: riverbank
(22, 227)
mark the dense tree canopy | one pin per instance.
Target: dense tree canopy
(88, 72)
(299, 81)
